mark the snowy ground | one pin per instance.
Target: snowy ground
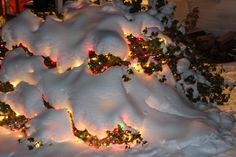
(10, 146)
(98, 103)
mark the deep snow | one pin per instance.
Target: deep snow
(98, 103)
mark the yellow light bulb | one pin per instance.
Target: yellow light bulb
(146, 65)
(137, 67)
(94, 59)
(126, 34)
(1, 118)
(15, 83)
(78, 63)
(37, 145)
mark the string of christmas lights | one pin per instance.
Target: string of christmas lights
(10, 120)
(3, 50)
(50, 64)
(24, 48)
(100, 63)
(121, 135)
(151, 54)
(6, 87)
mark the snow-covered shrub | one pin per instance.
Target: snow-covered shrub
(106, 77)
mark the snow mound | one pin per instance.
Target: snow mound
(68, 42)
(100, 102)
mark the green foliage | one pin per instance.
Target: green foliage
(191, 19)
(212, 91)
(10, 119)
(99, 63)
(160, 3)
(50, 64)
(3, 49)
(135, 6)
(142, 50)
(6, 87)
(203, 84)
(46, 104)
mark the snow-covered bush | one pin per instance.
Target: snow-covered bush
(109, 77)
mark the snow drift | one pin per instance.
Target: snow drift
(100, 102)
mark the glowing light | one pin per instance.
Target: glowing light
(121, 135)
(37, 144)
(78, 63)
(44, 97)
(146, 65)
(163, 62)
(137, 67)
(130, 53)
(53, 62)
(59, 70)
(31, 70)
(162, 39)
(94, 58)
(139, 38)
(17, 114)
(15, 83)
(89, 71)
(117, 136)
(122, 125)
(1, 118)
(47, 50)
(126, 33)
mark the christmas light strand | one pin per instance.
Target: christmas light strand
(121, 135)
(6, 87)
(100, 63)
(152, 53)
(10, 120)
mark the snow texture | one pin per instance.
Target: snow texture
(100, 102)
